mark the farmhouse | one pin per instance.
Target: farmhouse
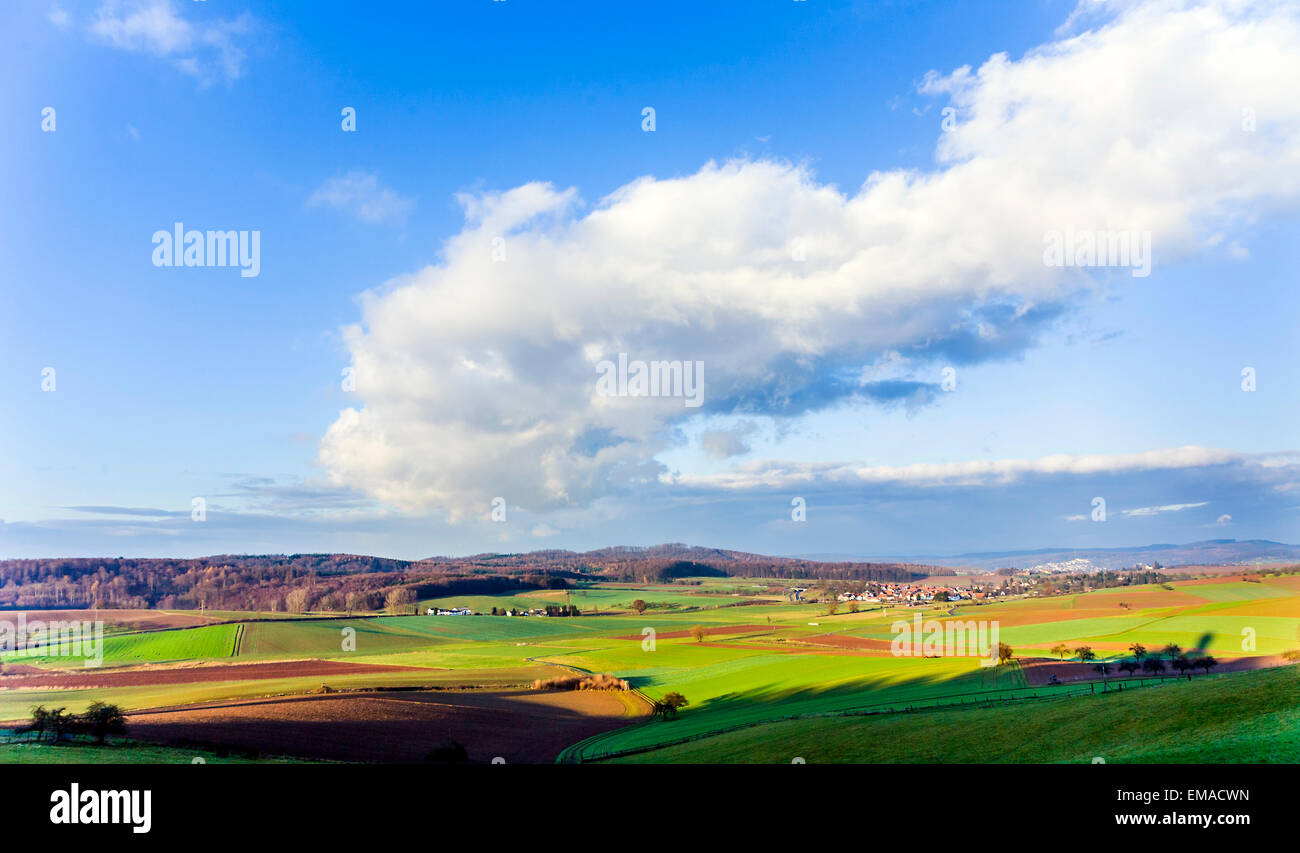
(449, 611)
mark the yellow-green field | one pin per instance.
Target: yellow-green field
(764, 662)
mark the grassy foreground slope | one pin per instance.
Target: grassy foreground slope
(123, 753)
(1247, 717)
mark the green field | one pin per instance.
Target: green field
(179, 644)
(766, 665)
(122, 753)
(1248, 717)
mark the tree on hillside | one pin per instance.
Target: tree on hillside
(58, 723)
(40, 721)
(668, 705)
(1207, 663)
(1085, 654)
(1181, 665)
(399, 598)
(1139, 651)
(853, 607)
(1153, 665)
(832, 607)
(296, 600)
(1172, 651)
(1060, 650)
(639, 606)
(101, 720)
(1128, 666)
(697, 631)
(1004, 653)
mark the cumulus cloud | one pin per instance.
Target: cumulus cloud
(361, 195)
(477, 376)
(204, 50)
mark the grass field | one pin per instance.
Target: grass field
(177, 644)
(121, 753)
(760, 665)
(1248, 717)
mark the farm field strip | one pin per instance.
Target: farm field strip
(17, 704)
(1248, 717)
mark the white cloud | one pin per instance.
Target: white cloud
(478, 376)
(361, 195)
(1224, 519)
(1142, 511)
(155, 27)
(978, 472)
(725, 443)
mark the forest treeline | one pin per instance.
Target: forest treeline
(301, 582)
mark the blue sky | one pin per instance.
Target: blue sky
(476, 119)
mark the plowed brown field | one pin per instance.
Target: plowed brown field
(523, 727)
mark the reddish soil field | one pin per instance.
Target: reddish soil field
(33, 679)
(523, 727)
(724, 629)
(1039, 670)
(1234, 576)
(1143, 599)
(843, 641)
(134, 620)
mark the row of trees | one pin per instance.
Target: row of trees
(550, 610)
(99, 721)
(345, 582)
(1061, 584)
(1152, 663)
(296, 583)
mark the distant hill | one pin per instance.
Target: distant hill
(1225, 552)
(298, 582)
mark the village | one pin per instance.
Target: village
(549, 610)
(912, 593)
